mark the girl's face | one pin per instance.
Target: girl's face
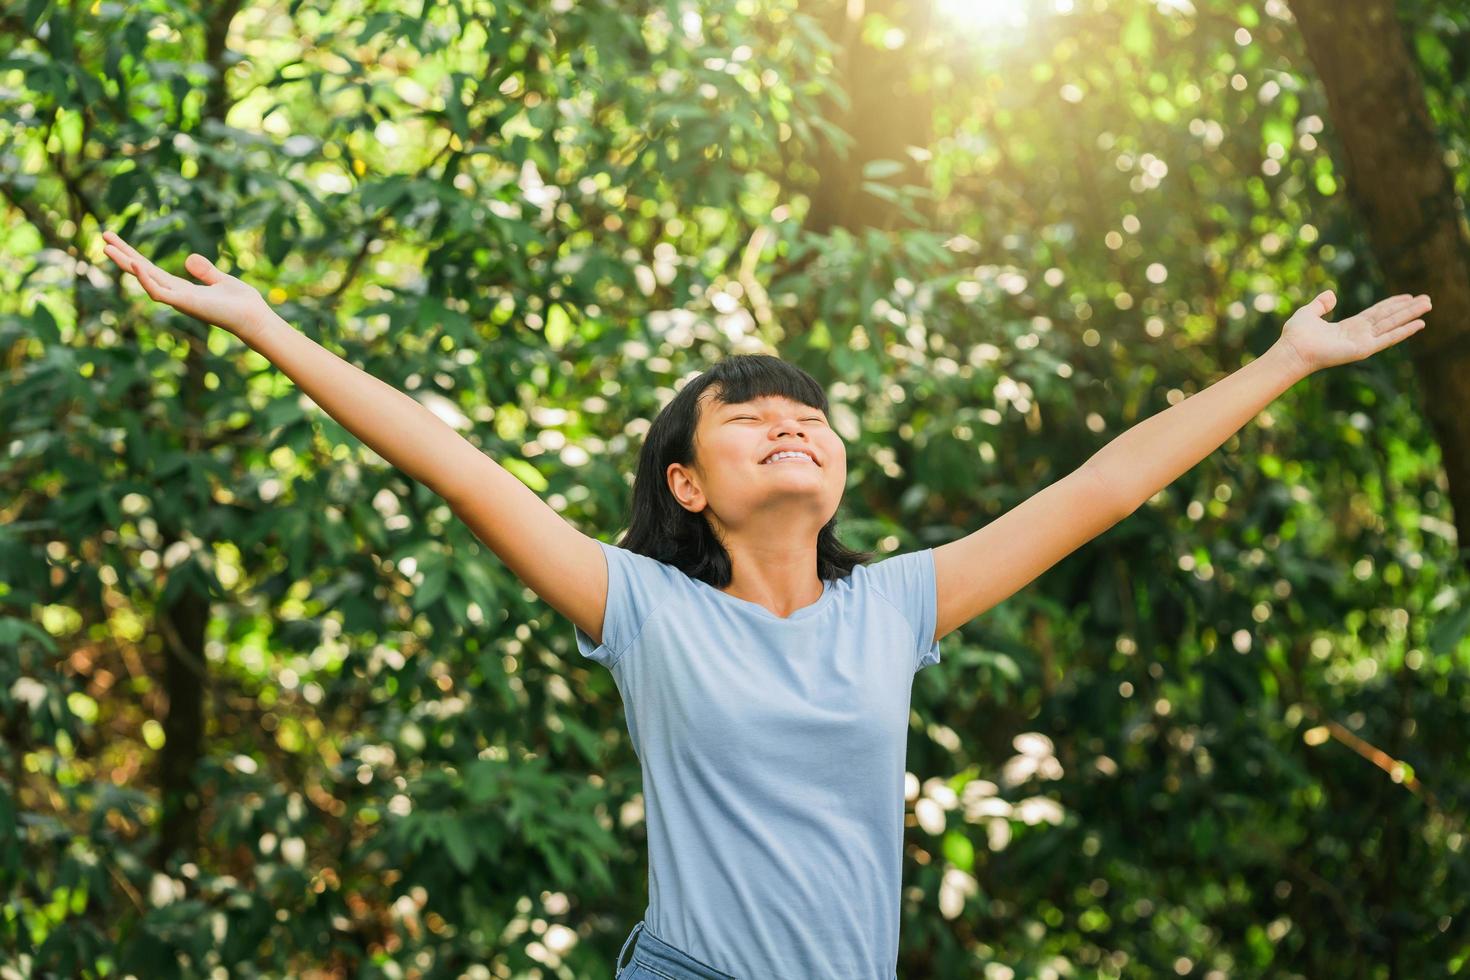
(740, 492)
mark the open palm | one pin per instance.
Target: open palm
(222, 300)
(1321, 344)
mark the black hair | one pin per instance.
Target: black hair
(661, 528)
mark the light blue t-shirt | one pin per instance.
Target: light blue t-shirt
(772, 753)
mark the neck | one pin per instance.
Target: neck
(780, 576)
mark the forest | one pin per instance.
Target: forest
(268, 708)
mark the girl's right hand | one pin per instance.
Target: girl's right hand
(223, 300)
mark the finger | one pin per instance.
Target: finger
(121, 245)
(115, 254)
(1398, 304)
(1323, 302)
(140, 263)
(145, 280)
(139, 272)
(167, 279)
(1398, 311)
(160, 278)
(202, 269)
(124, 262)
(1395, 307)
(1391, 337)
(156, 288)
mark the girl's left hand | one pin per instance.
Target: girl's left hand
(1316, 343)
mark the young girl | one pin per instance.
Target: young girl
(764, 667)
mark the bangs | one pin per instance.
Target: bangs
(747, 377)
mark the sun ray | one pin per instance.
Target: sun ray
(985, 14)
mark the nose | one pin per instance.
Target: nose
(790, 427)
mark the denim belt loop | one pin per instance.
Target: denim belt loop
(626, 943)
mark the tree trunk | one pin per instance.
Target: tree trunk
(183, 622)
(1399, 183)
(183, 626)
(886, 116)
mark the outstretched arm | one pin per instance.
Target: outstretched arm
(560, 563)
(988, 565)
(1157, 451)
(394, 424)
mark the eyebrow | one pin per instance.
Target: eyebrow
(747, 407)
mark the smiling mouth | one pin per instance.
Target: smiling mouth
(789, 459)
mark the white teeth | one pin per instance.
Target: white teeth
(784, 455)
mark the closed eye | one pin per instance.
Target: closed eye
(736, 418)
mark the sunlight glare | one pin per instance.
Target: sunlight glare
(984, 14)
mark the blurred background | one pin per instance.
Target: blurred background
(268, 707)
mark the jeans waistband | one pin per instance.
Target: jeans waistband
(659, 956)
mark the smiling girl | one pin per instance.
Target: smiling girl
(764, 667)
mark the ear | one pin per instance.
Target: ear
(681, 482)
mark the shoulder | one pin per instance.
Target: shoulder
(898, 576)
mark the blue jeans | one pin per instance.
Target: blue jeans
(654, 959)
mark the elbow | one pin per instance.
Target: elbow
(1119, 502)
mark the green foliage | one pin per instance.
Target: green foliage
(1156, 761)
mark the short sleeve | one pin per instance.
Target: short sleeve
(907, 581)
(636, 586)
